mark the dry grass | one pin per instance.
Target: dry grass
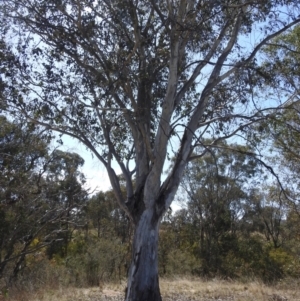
(197, 289)
(177, 289)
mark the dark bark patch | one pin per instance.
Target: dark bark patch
(137, 258)
(136, 205)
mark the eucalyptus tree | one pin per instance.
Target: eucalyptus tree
(218, 187)
(22, 152)
(64, 189)
(35, 209)
(282, 60)
(284, 134)
(135, 80)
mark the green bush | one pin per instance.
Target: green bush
(180, 262)
(99, 260)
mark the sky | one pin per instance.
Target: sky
(95, 173)
(96, 176)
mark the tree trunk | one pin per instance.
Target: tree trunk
(143, 273)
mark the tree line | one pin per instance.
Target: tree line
(233, 223)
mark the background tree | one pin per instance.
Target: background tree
(31, 215)
(233, 224)
(64, 188)
(273, 209)
(218, 186)
(133, 79)
(284, 129)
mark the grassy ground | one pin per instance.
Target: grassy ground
(176, 289)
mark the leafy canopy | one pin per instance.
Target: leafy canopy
(133, 80)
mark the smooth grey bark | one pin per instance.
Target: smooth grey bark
(143, 282)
